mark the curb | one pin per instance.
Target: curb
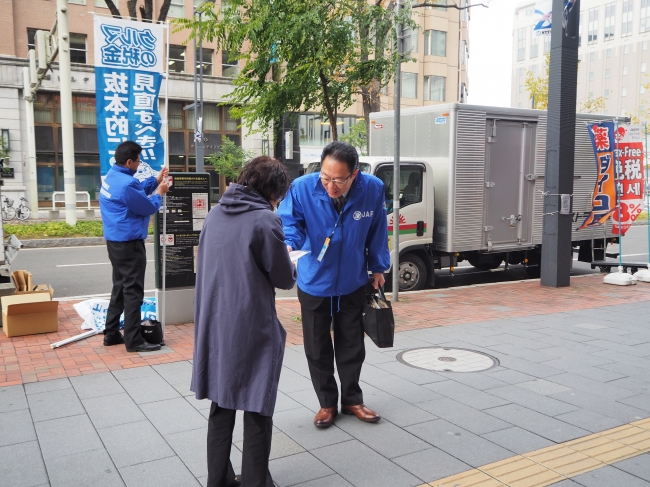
(43, 243)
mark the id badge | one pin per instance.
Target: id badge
(323, 250)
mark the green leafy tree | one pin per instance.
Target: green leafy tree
(301, 55)
(228, 161)
(358, 137)
(537, 87)
(4, 151)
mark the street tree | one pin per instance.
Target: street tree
(358, 137)
(537, 87)
(146, 10)
(228, 161)
(302, 55)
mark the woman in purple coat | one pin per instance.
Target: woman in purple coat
(238, 339)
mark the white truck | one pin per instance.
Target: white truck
(472, 181)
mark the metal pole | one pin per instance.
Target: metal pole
(200, 167)
(69, 183)
(396, 175)
(31, 146)
(647, 186)
(560, 145)
(618, 200)
(164, 206)
(196, 112)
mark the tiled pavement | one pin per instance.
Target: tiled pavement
(569, 367)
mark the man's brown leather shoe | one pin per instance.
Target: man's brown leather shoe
(361, 412)
(325, 417)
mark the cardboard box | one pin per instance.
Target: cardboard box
(29, 314)
(23, 282)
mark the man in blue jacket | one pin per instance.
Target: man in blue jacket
(126, 205)
(338, 215)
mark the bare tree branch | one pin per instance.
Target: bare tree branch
(164, 10)
(113, 8)
(438, 5)
(130, 5)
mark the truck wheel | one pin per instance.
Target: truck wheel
(486, 263)
(412, 273)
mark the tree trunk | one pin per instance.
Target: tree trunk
(130, 5)
(331, 115)
(164, 9)
(148, 10)
(114, 10)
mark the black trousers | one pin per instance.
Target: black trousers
(258, 432)
(129, 260)
(345, 314)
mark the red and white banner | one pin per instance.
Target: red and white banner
(629, 176)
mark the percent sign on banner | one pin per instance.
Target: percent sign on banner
(630, 176)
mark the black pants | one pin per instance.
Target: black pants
(318, 315)
(258, 432)
(129, 260)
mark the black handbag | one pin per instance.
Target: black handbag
(151, 331)
(378, 320)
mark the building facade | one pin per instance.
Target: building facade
(613, 54)
(438, 75)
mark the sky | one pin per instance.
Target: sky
(490, 53)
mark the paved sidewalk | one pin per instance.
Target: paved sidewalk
(568, 368)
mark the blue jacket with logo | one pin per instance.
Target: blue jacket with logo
(126, 206)
(359, 243)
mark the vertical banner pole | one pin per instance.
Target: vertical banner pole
(164, 208)
(396, 175)
(618, 200)
(647, 188)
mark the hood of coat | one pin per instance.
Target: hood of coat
(240, 199)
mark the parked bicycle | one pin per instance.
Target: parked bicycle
(8, 210)
(23, 211)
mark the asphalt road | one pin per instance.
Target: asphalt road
(86, 271)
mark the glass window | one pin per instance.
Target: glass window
(84, 111)
(177, 9)
(521, 71)
(43, 108)
(624, 92)
(644, 45)
(591, 75)
(211, 117)
(441, 2)
(411, 40)
(434, 88)
(314, 130)
(409, 85)
(31, 35)
(642, 90)
(626, 49)
(606, 93)
(626, 25)
(521, 44)
(608, 52)
(607, 73)
(534, 47)
(547, 44)
(410, 178)
(624, 70)
(590, 96)
(643, 67)
(207, 61)
(435, 43)
(521, 88)
(229, 67)
(592, 36)
(592, 56)
(177, 59)
(230, 123)
(175, 115)
(610, 20)
(78, 48)
(534, 68)
(46, 179)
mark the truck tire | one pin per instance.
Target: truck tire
(486, 263)
(412, 273)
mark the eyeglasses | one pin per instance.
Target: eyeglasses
(325, 180)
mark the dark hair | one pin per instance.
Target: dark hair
(266, 176)
(341, 152)
(125, 151)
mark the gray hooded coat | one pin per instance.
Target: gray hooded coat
(238, 339)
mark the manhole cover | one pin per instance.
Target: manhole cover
(441, 359)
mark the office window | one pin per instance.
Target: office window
(591, 75)
(534, 47)
(643, 67)
(435, 43)
(645, 16)
(534, 68)
(590, 96)
(626, 49)
(521, 71)
(592, 36)
(547, 44)
(409, 85)
(78, 48)
(592, 56)
(177, 9)
(411, 42)
(177, 59)
(229, 67)
(607, 73)
(207, 61)
(644, 45)
(642, 90)
(521, 88)
(610, 20)
(606, 93)
(521, 44)
(463, 53)
(31, 35)
(626, 25)
(608, 53)
(434, 88)
(624, 70)
(624, 92)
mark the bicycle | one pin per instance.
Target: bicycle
(23, 211)
(8, 210)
